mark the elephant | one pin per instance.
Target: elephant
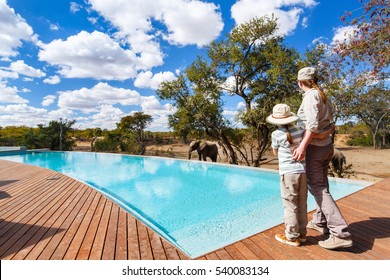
(205, 149)
(338, 160)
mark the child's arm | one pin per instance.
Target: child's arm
(275, 152)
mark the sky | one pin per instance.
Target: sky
(96, 61)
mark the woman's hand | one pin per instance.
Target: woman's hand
(299, 153)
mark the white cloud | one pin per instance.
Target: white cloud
(319, 40)
(286, 11)
(52, 80)
(343, 34)
(54, 27)
(6, 74)
(59, 114)
(90, 55)
(150, 105)
(107, 117)
(21, 114)
(90, 99)
(13, 30)
(74, 7)
(186, 22)
(305, 22)
(148, 80)
(10, 94)
(22, 68)
(48, 100)
(191, 22)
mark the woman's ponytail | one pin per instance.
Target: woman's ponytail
(313, 84)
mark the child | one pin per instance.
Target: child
(292, 174)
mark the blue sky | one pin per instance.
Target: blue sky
(96, 61)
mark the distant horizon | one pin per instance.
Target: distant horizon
(97, 61)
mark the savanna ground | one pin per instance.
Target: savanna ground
(363, 163)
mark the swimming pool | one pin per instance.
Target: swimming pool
(198, 207)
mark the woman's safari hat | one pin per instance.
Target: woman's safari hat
(281, 115)
(307, 73)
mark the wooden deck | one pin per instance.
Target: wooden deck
(49, 216)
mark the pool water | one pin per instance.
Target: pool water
(198, 207)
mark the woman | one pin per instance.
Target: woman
(315, 115)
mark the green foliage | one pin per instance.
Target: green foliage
(131, 129)
(110, 142)
(359, 138)
(56, 136)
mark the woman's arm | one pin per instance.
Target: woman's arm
(326, 133)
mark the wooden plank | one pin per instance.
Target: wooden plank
(58, 218)
(16, 235)
(223, 254)
(257, 250)
(212, 256)
(98, 244)
(81, 194)
(156, 245)
(110, 241)
(81, 232)
(78, 217)
(132, 239)
(45, 230)
(121, 240)
(170, 251)
(88, 241)
(245, 251)
(144, 243)
(236, 255)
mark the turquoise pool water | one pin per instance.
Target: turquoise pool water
(199, 207)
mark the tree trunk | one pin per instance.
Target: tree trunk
(232, 157)
(262, 140)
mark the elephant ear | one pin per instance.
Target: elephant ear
(202, 145)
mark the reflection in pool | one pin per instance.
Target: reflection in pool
(199, 207)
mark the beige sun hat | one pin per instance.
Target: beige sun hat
(281, 115)
(307, 73)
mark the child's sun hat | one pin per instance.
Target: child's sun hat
(281, 115)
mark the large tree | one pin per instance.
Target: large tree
(260, 69)
(363, 61)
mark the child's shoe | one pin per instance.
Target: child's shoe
(282, 238)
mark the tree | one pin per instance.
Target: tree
(259, 69)
(369, 42)
(197, 96)
(373, 109)
(135, 124)
(182, 120)
(58, 134)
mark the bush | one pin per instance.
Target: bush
(359, 138)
